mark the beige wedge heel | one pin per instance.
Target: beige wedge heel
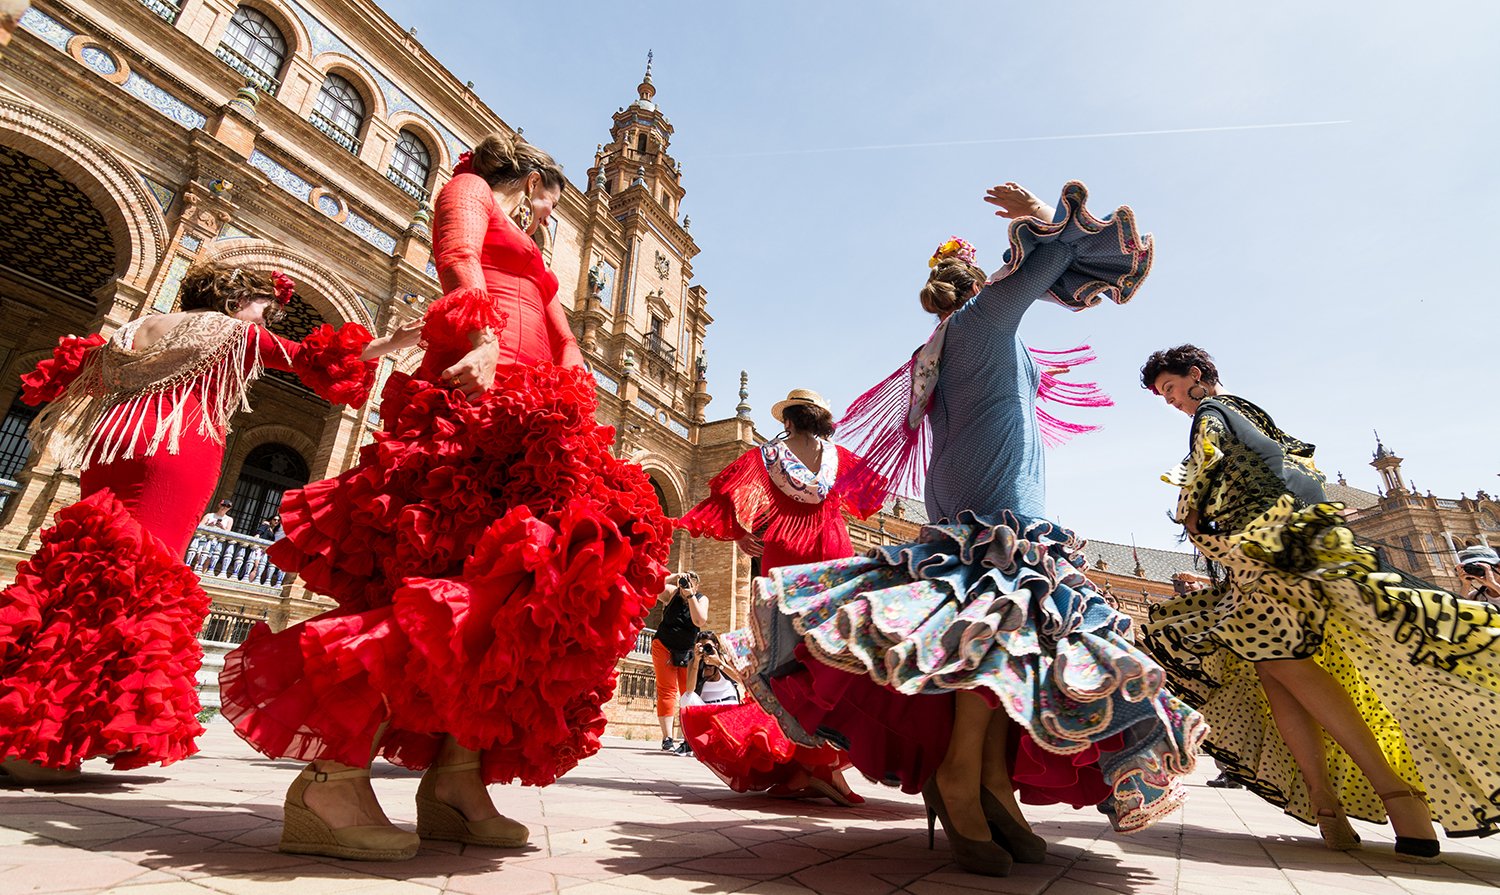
(439, 820)
(305, 833)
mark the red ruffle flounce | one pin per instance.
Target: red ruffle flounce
(901, 740)
(493, 562)
(746, 748)
(99, 653)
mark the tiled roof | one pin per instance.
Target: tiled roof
(1353, 498)
(1156, 565)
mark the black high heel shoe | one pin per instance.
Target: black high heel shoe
(1023, 845)
(1412, 849)
(973, 855)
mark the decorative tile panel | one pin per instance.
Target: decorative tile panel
(281, 176)
(645, 405)
(370, 233)
(372, 307)
(99, 61)
(230, 231)
(396, 100)
(167, 297)
(605, 381)
(432, 270)
(47, 28)
(191, 243)
(163, 194)
(677, 427)
(328, 205)
(164, 102)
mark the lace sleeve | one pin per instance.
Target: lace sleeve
(460, 221)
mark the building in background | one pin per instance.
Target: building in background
(138, 136)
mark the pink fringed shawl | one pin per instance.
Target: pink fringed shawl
(888, 424)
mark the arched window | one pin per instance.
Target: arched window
(640, 143)
(269, 471)
(254, 47)
(410, 165)
(340, 112)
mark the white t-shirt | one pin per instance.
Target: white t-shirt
(214, 520)
(720, 691)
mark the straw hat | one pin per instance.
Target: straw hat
(799, 396)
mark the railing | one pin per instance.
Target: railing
(407, 185)
(242, 65)
(8, 489)
(167, 10)
(643, 644)
(335, 133)
(227, 626)
(232, 559)
(661, 348)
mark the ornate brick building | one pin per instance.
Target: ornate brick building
(137, 136)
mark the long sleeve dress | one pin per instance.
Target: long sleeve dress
(801, 515)
(866, 652)
(1422, 666)
(98, 635)
(492, 561)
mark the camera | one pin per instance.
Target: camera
(707, 648)
(1474, 569)
(684, 580)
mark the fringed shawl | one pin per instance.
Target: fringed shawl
(126, 403)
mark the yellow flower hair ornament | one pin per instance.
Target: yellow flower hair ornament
(961, 249)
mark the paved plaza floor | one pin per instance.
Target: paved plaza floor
(633, 819)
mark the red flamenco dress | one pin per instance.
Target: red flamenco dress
(492, 561)
(801, 514)
(98, 635)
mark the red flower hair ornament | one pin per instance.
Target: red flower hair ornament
(286, 287)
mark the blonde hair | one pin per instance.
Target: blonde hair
(505, 158)
(949, 285)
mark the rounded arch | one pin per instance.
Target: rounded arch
(135, 221)
(272, 433)
(325, 290)
(438, 147)
(352, 71)
(298, 41)
(664, 473)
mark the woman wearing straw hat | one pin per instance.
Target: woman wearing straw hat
(784, 503)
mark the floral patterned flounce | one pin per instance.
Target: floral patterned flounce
(1422, 666)
(492, 561)
(997, 605)
(99, 651)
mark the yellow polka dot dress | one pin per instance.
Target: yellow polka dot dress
(1422, 666)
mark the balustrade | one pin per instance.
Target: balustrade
(237, 560)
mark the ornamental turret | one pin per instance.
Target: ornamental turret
(637, 152)
(1389, 466)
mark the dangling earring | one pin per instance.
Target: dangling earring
(1202, 392)
(522, 214)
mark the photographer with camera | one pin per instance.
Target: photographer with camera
(1480, 569)
(673, 646)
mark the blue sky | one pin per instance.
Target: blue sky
(1341, 274)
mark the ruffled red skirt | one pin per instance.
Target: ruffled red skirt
(99, 653)
(900, 740)
(492, 561)
(746, 748)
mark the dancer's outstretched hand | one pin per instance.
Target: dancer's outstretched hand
(475, 372)
(1015, 201)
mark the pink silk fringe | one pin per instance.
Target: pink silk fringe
(875, 425)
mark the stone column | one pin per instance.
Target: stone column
(340, 442)
(1452, 550)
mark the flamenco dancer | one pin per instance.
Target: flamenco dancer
(98, 635)
(939, 662)
(783, 502)
(491, 560)
(1332, 690)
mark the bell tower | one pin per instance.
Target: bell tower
(636, 155)
(1389, 466)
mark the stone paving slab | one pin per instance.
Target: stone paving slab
(633, 819)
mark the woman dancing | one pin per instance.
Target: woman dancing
(491, 559)
(1307, 637)
(906, 656)
(783, 502)
(98, 635)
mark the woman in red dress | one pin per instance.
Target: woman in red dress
(783, 502)
(491, 559)
(98, 635)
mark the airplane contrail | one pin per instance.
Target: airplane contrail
(1178, 130)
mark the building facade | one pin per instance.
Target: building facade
(307, 136)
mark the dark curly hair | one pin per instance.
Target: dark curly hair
(1178, 361)
(220, 286)
(809, 419)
